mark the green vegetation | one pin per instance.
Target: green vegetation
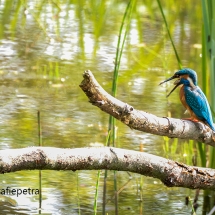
(208, 71)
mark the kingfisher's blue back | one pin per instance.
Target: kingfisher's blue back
(197, 101)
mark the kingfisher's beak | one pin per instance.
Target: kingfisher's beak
(169, 79)
(177, 83)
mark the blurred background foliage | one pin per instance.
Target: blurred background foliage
(45, 45)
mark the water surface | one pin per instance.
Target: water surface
(44, 49)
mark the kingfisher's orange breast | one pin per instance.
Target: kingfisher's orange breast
(182, 97)
(183, 101)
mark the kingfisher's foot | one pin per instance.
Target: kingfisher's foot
(196, 120)
(192, 119)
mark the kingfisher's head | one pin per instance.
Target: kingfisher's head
(183, 74)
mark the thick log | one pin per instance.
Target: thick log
(171, 173)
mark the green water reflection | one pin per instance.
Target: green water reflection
(44, 48)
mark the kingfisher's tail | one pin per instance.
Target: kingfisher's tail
(211, 125)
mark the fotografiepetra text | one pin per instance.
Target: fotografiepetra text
(18, 191)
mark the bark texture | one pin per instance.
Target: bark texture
(140, 120)
(171, 173)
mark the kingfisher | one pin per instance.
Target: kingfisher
(192, 97)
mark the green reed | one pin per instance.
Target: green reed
(40, 171)
(201, 147)
(208, 59)
(97, 182)
(96, 193)
(170, 37)
(112, 122)
(208, 74)
(78, 193)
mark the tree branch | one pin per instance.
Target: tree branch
(141, 120)
(171, 173)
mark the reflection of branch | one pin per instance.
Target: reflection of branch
(141, 120)
(169, 172)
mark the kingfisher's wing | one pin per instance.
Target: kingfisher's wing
(197, 101)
